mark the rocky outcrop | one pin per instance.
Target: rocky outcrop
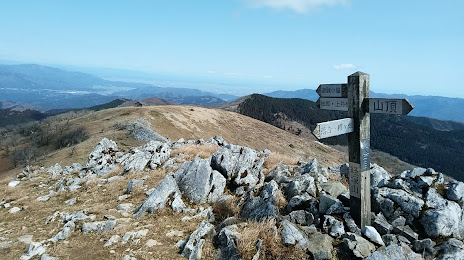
(263, 206)
(150, 156)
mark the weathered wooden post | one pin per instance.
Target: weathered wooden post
(354, 98)
(359, 148)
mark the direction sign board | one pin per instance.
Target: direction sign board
(390, 106)
(376, 105)
(332, 90)
(334, 128)
(340, 104)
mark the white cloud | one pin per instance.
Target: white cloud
(344, 66)
(299, 6)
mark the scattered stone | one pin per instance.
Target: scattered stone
(407, 232)
(382, 225)
(113, 239)
(176, 233)
(74, 217)
(14, 210)
(291, 235)
(68, 228)
(33, 249)
(194, 243)
(320, 246)
(397, 252)
(47, 257)
(98, 227)
(152, 243)
(358, 245)
(332, 226)
(13, 184)
(125, 209)
(134, 236)
(71, 202)
(25, 239)
(350, 224)
(5, 244)
(372, 234)
(132, 184)
(128, 257)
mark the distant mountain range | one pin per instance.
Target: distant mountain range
(52, 88)
(442, 108)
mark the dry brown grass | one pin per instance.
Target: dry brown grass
(281, 201)
(191, 151)
(271, 247)
(275, 159)
(223, 209)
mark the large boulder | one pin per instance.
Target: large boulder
(443, 218)
(199, 182)
(408, 202)
(379, 176)
(151, 155)
(240, 165)
(103, 158)
(160, 196)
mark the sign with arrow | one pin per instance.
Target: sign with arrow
(334, 128)
(376, 105)
(332, 90)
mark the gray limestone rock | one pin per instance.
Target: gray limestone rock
(397, 252)
(291, 235)
(311, 168)
(379, 176)
(132, 184)
(425, 247)
(299, 202)
(33, 249)
(141, 130)
(406, 232)
(455, 191)
(47, 257)
(103, 158)
(113, 239)
(336, 208)
(382, 225)
(262, 207)
(300, 185)
(67, 230)
(400, 221)
(350, 224)
(333, 188)
(450, 250)
(390, 239)
(199, 182)
(77, 216)
(409, 203)
(240, 165)
(320, 246)
(358, 245)
(193, 246)
(372, 234)
(160, 196)
(151, 155)
(301, 217)
(98, 227)
(226, 242)
(325, 202)
(333, 226)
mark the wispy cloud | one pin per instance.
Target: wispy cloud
(347, 66)
(299, 6)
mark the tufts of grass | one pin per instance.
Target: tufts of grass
(271, 247)
(275, 159)
(225, 208)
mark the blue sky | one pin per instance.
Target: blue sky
(411, 47)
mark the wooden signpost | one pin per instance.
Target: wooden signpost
(354, 98)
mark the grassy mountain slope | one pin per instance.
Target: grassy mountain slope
(173, 122)
(412, 143)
